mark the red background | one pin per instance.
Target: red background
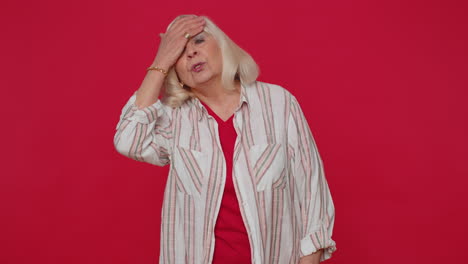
(382, 83)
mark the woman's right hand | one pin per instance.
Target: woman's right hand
(173, 41)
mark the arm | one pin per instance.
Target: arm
(313, 258)
(144, 131)
(144, 134)
(313, 194)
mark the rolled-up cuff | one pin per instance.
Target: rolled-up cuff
(318, 240)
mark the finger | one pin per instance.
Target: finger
(181, 21)
(196, 29)
(192, 28)
(181, 33)
(184, 24)
(186, 16)
(195, 23)
(174, 24)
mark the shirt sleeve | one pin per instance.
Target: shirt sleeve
(144, 134)
(317, 209)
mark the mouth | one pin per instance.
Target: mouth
(198, 67)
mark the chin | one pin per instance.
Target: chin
(201, 79)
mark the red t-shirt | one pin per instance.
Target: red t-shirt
(231, 239)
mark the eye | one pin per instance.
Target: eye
(199, 40)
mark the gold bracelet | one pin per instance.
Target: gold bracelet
(157, 69)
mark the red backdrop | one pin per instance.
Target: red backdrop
(382, 83)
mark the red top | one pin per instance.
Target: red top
(232, 242)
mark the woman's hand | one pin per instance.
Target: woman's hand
(173, 41)
(313, 258)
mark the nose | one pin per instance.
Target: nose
(191, 50)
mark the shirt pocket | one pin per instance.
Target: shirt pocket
(191, 166)
(269, 166)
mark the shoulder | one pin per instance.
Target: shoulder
(275, 90)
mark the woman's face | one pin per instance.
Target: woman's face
(200, 62)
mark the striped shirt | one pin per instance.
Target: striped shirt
(278, 175)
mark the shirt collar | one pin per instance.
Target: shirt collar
(202, 110)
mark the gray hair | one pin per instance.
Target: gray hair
(237, 65)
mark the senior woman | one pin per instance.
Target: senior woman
(246, 182)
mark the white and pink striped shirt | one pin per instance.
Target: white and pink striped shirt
(277, 172)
